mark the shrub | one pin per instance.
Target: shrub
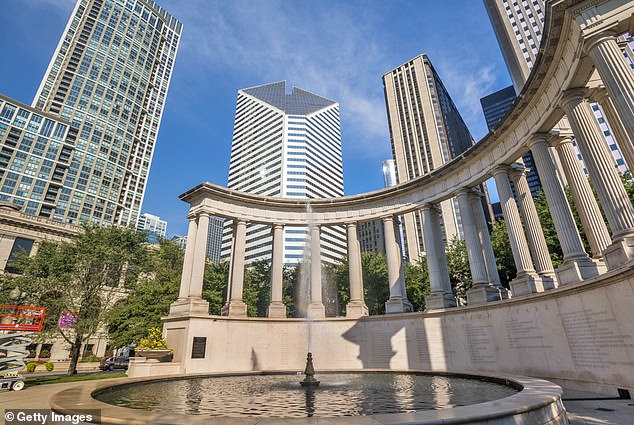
(90, 359)
(30, 367)
(153, 341)
(44, 354)
(49, 366)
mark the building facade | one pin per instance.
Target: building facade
(156, 228)
(426, 131)
(286, 144)
(518, 27)
(87, 142)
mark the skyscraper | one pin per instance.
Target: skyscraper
(82, 152)
(518, 26)
(156, 228)
(426, 131)
(286, 144)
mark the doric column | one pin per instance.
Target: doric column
(188, 261)
(617, 76)
(475, 197)
(277, 307)
(236, 306)
(577, 266)
(356, 306)
(534, 234)
(436, 262)
(616, 126)
(589, 213)
(396, 303)
(526, 281)
(481, 291)
(316, 306)
(603, 173)
(200, 255)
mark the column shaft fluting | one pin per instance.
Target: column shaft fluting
(517, 239)
(617, 76)
(276, 307)
(391, 253)
(589, 213)
(616, 127)
(485, 239)
(438, 275)
(200, 254)
(188, 261)
(237, 260)
(534, 234)
(315, 265)
(600, 163)
(472, 240)
(354, 263)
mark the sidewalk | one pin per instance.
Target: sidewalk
(583, 412)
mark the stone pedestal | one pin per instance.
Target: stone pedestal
(316, 310)
(356, 309)
(576, 271)
(398, 305)
(439, 300)
(527, 283)
(234, 308)
(619, 253)
(482, 294)
(191, 305)
(276, 309)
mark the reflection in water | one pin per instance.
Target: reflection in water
(340, 394)
(310, 403)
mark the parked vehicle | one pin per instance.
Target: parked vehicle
(112, 363)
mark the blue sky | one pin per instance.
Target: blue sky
(338, 49)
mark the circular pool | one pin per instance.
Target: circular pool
(340, 394)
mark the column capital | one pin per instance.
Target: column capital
(387, 218)
(538, 138)
(574, 96)
(593, 41)
(191, 216)
(599, 94)
(463, 191)
(351, 224)
(517, 170)
(501, 169)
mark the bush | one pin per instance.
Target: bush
(44, 354)
(154, 341)
(30, 367)
(49, 366)
(90, 359)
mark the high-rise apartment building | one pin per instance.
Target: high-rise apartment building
(495, 106)
(426, 131)
(156, 228)
(286, 144)
(518, 26)
(82, 152)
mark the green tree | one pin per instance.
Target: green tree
(215, 285)
(375, 283)
(458, 265)
(257, 288)
(502, 251)
(82, 280)
(417, 283)
(149, 298)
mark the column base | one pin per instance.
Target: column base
(316, 310)
(187, 306)
(578, 270)
(619, 253)
(439, 300)
(398, 305)
(550, 280)
(482, 294)
(276, 309)
(505, 294)
(234, 308)
(356, 309)
(527, 283)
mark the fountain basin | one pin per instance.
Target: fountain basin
(537, 402)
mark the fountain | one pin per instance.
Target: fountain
(309, 381)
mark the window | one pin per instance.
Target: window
(21, 246)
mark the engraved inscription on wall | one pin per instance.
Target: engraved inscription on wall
(593, 338)
(524, 334)
(480, 343)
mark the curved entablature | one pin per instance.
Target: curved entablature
(561, 65)
(580, 61)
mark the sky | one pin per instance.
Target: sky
(337, 49)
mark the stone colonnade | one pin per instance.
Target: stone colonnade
(535, 271)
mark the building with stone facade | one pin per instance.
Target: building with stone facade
(285, 144)
(83, 151)
(426, 131)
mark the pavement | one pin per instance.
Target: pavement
(584, 408)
